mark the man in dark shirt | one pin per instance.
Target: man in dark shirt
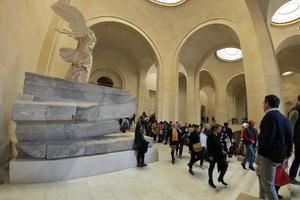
(194, 138)
(274, 146)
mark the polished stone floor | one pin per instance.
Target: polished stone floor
(158, 181)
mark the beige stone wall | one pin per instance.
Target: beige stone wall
(30, 44)
(166, 28)
(24, 25)
(222, 72)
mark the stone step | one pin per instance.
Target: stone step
(45, 88)
(65, 131)
(33, 171)
(66, 111)
(67, 149)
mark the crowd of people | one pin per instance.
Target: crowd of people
(269, 150)
(211, 142)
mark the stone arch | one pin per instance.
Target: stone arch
(236, 99)
(253, 63)
(182, 97)
(288, 52)
(101, 19)
(292, 40)
(210, 78)
(114, 74)
(139, 48)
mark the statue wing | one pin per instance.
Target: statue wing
(72, 15)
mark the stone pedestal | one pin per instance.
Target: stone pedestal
(33, 171)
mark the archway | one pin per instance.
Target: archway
(201, 43)
(105, 81)
(127, 50)
(289, 66)
(182, 96)
(104, 71)
(237, 99)
(207, 93)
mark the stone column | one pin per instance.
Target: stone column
(193, 110)
(260, 65)
(166, 92)
(220, 105)
(143, 93)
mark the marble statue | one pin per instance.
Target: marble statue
(81, 58)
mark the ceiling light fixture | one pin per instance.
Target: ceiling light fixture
(168, 2)
(229, 54)
(287, 73)
(288, 13)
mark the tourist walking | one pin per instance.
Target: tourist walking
(274, 146)
(216, 155)
(249, 139)
(194, 147)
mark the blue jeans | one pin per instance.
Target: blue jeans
(249, 156)
(267, 170)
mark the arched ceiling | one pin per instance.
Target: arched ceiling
(204, 42)
(123, 38)
(289, 59)
(269, 7)
(236, 81)
(206, 80)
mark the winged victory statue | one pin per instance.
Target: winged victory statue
(81, 58)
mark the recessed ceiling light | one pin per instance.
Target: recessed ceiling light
(169, 2)
(287, 73)
(288, 13)
(229, 54)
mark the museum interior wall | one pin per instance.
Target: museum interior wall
(165, 56)
(24, 26)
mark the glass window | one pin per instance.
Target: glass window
(229, 54)
(168, 2)
(287, 14)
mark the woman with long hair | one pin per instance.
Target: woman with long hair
(216, 154)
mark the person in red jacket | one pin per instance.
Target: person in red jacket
(249, 139)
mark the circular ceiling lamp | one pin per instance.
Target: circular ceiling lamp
(169, 2)
(287, 73)
(229, 54)
(287, 14)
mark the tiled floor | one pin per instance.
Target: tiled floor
(160, 180)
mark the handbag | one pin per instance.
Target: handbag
(197, 147)
(281, 177)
